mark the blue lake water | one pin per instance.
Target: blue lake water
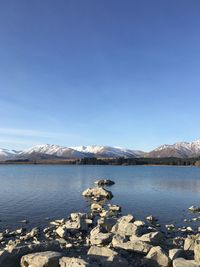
(35, 192)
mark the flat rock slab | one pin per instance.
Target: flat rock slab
(181, 262)
(41, 259)
(75, 262)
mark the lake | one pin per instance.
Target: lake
(35, 192)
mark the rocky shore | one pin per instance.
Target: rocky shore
(101, 237)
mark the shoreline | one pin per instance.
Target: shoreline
(104, 230)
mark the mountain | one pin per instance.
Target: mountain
(50, 152)
(179, 150)
(6, 154)
(108, 151)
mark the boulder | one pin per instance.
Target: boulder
(107, 257)
(41, 259)
(100, 238)
(158, 256)
(74, 262)
(190, 242)
(197, 251)
(194, 209)
(135, 245)
(97, 192)
(61, 231)
(181, 262)
(107, 222)
(125, 226)
(153, 237)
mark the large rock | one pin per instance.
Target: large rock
(197, 251)
(157, 256)
(41, 259)
(11, 256)
(127, 226)
(97, 192)
(154, 238)
(98, 236)
(106, 257)
(181, 262)
(74, 262)
(190, 242)
(135, 245)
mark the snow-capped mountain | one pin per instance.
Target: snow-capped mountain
(108, 151)
(51, 150)
(6, 154)
(180, 150)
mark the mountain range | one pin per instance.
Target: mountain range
(47, 151)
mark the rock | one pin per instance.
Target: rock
(99, 238)
(197, 251)
(107, 257)
(24, 221)
(181, 262)
(176, 253)
(135, 245)
(77, 221)
(74, 262)
(190, 242)
(126, 219)
(170, 227)
(97, 192)
(102, 251)
(157, 256)
(151, 218)
(115, 208)
(124, 226)
(61, 231)
(152, 237)
(103, 182)
(41, 259)
(194, 209)
(96, 207)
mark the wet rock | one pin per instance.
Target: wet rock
(96, 207)
(97, 192)
(115, 208)
(24, 221)
(103, 182)
(158, 256)
(151, 218)
(41, 259)
(181, 262)
(194, 209)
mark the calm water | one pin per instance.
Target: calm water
(36, 192)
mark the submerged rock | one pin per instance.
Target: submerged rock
(194, 209)
(103, 182)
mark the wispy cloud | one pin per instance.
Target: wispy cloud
(32, 133)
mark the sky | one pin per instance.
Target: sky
(109, 72)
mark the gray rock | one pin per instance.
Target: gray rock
(153, 237)
(105, 182)
(158, 256)
(41, 259)
(74, 262)
(135, 245)
(181, 262)
(97, 192)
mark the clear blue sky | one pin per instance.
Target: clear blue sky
(107, 72)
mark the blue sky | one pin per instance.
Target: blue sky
(122, 73)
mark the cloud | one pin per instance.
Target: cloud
(32, 133)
